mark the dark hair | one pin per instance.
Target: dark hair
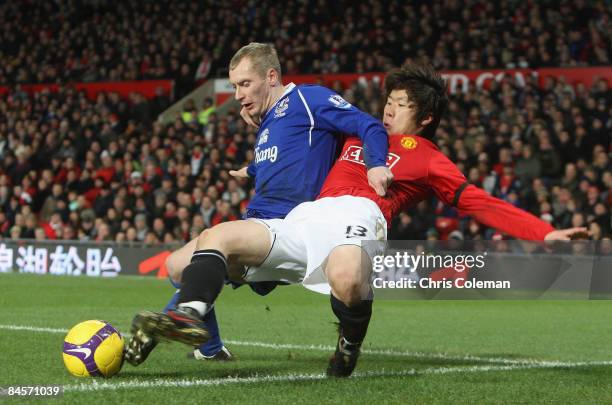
(425, 87)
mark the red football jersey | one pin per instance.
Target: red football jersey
(420, 170)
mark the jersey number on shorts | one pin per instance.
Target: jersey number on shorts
(355, 231)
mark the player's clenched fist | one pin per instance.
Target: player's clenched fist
(379, 179)
(248, 118)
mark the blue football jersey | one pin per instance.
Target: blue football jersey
(296, 147)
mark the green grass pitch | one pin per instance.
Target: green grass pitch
(415, 352)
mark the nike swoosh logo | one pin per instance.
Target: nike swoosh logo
(84, 350)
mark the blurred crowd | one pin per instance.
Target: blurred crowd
(101, 40)
(74, 168)
(103, 169)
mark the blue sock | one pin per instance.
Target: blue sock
(215, 344)
(174, 299)
(172, 302)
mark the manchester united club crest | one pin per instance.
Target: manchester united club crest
(408, 142)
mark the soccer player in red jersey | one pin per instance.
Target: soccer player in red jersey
(318, 244)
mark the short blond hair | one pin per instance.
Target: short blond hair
(262, 56)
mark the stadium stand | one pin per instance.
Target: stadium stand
(73, 167)
(131, 40)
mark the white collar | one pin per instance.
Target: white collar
(288, 89)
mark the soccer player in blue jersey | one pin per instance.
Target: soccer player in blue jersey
(295, 149)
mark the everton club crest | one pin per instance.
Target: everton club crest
(281, 107)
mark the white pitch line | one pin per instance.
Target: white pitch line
(33, 329)
(169, 383)
(271, 378)
(421, 355)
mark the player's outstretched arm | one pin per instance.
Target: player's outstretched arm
(379, 178)
(240, 174)
(451, 186)
(501, 215)
(567, 234)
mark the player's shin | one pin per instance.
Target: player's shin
(214, 346)
(354, 321)
(174, 300)
(202, 281)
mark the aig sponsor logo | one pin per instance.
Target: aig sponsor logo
(355, 154)
(270, 154)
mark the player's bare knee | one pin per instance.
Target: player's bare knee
(347, 269)
(204, 236)
(221, 237)
(172, 265)
(348, 295)
(179, 259)
(211, 239)
(346, 284)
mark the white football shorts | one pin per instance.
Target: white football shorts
(302, 241)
